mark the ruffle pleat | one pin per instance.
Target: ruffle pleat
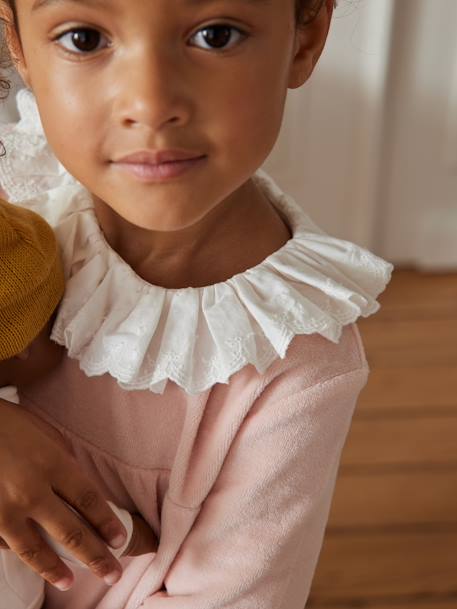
(113, 322)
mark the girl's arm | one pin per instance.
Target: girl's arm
(36, 474)
(258, 535)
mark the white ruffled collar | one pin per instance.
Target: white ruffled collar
(195, 337)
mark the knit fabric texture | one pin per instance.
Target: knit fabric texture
(31, 277)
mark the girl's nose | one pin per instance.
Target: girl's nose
(150, 90)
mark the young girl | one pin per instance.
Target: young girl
(213, 361)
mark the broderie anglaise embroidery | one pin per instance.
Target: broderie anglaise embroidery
(132, 350)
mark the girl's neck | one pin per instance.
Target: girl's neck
(237, 236)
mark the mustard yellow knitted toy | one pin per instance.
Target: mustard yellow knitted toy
(31, 277)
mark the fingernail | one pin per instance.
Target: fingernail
(118, 540)
(64, 584)
(112, 577)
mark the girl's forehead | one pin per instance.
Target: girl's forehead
(167, 9)
(43, 4)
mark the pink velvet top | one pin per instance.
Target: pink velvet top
(236, 482)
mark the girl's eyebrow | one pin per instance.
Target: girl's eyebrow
(38, 4)
(253, 2)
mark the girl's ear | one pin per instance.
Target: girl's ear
(13, 41)
(309, 43)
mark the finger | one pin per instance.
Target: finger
(31, 548)
(65, 528)
(85, 498)
(3, 544)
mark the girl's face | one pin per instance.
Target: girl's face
(114, 77)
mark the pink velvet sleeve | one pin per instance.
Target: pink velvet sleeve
(257, 539)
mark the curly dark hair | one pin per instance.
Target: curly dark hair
(305, 12)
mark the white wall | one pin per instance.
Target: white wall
(418, 197)
(369, 145)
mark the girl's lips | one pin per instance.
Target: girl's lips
(160, 172)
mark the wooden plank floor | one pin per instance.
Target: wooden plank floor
(391, 540)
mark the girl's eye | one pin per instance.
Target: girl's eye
(218, 35)
(85, 40)
(82, 41)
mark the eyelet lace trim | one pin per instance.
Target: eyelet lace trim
(195, 337)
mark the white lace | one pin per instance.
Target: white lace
(195, 337)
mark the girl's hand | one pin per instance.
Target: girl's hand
(143, 540)
(36, 473)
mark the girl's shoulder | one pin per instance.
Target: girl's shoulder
(112, 321)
